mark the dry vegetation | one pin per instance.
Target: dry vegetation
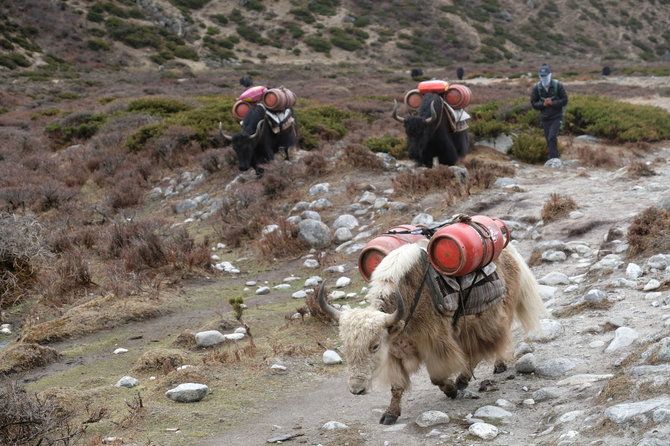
(558, 206)
(649, 232)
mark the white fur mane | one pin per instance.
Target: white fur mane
(391, 269)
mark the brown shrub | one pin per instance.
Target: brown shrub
(596, 157)
(557, 207)
(117, 128)
(417, 182)
(22, 253)
(245, 215)
(282, 242)
(32, 420)
(638, 169)
(52, 195)
(70, 277)
(24, 356)
(150, 244)
(174, 147)
(482, 174)
(124, 194)
(649, 232)
(360, 157)
(315, 164)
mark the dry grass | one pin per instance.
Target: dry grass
(573, 310)
(557, 207)
(281, 243)
(24, 356)
(649, 232)
(597, 156)
(358, 156)
(637, 169)
(410, 183)
(95, 315)
(163, 360)
(483, 173)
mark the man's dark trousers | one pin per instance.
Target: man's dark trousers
(551, 129)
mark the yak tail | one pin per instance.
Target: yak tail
(529, 307)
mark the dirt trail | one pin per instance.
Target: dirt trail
(607, 199)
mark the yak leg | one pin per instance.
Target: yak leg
(440, 378)
(393, 411)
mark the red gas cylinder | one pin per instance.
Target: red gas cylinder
(458, 96)
(376, 249)
(278, 99)
(413, 98)
(433, 86)
(461, 248)
(240, 109)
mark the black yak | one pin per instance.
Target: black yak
(431, 133)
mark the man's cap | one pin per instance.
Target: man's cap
(545, 70)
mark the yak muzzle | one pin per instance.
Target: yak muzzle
(358, 385)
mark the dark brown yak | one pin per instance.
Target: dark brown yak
(379, 343)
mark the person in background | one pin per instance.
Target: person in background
(460, 72)
(550, 98)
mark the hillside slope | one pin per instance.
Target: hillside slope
(204, 34)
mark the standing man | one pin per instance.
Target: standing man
(549, 97)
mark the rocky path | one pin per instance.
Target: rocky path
(598, 373)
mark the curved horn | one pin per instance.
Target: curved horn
(433, 113)
(224, 134)
(394, 113)
(399, 312)
(258, 129)
(325, 306)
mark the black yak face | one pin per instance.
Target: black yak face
(244, 146)
(418, 133)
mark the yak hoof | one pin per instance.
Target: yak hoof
(500, 367)
(387, 419)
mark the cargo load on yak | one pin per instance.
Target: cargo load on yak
(455, 98)
(461, 276)
(277, 101)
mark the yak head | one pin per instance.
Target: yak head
(245, 141)
(365, 334)
(420, 128)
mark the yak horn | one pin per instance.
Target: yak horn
(258, 129)
(394, 113)
(325, 306)
(399, 312)
(433, 113)
(224, 134)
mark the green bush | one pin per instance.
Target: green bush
(75, 127)
(189, 4)
(220, 19)
(323, 122)
(185, 52)
(303, 15)
(136, 141)
(390, 144)
(530, 148)
(157, 106)
(13, 60)
(618, 121)
(97, 44)
(318, 44)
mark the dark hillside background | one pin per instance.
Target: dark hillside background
(48, 35)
